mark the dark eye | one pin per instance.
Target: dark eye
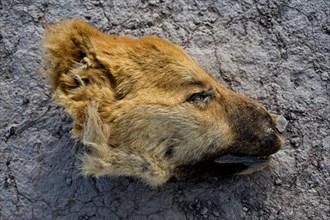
(202, 96)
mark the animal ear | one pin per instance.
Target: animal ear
(73, 71)
(66, 43)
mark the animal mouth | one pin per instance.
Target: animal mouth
(226, 165)
(244, 159)
(237, 164)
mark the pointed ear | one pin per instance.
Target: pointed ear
(66, 43)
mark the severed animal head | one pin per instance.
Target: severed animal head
(144, 108)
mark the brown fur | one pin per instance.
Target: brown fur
(144, 108)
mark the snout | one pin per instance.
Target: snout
(254, 155)
(280, 122)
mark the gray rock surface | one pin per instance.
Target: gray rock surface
(276, 52)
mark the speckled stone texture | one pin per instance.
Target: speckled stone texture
(276, 52)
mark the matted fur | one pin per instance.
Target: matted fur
(144, 108)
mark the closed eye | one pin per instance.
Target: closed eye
(202, 96)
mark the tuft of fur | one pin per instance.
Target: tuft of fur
(64, 45)
(144, 108)
(103, 159)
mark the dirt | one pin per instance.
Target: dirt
(276, 52)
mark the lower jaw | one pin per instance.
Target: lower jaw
(248, 164)
(227, 165)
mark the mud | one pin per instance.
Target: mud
(276, 52)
